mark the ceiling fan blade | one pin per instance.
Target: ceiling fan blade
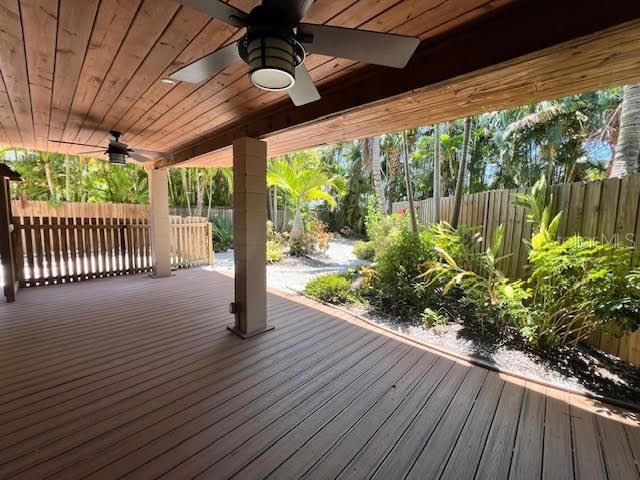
(147, 153)
(303, 91)
(91, 152)
(219, 10)
(378, 48)
(291, 10)
(74, 143)
(208, 66)
(138, 157)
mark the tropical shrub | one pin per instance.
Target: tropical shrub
(579, 286)
(274, 251)
(364, 250)
(459, 243)
(538, 203)
(222, 233)
(387, 230)
(319, 235)
(492, 298)
(433, 318)
(372, 218)
(315, 239)
(404, 258)
(331, 288)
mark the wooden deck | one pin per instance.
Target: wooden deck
(137, 378)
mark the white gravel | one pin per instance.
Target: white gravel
(293, 273)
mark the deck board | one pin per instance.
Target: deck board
(138, 378)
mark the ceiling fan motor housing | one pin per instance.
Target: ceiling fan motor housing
(117, 151)
(272, 55)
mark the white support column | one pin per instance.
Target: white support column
(159, 222)
(250, 236)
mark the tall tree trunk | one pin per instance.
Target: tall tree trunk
(67, 178)
(211, 179)
(200, 186)
(625, 161)
(284, 212)
(437, 178)
(462, 170)
(185, 189)
(371, 154)
(407, 179)
(298, 226)
(377, 173)
(49, 177)
(275, 209)
(172, 193)
(390, 193)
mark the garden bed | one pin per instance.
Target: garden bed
(582, 369)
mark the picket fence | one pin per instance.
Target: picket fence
(75, 242)
(607, 211)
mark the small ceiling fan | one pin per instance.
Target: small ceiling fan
(276, 43)
(118, 151)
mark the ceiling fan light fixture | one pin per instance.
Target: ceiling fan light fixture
(117, 158)
(272, 61)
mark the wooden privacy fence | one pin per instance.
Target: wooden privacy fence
(40, 208)
(607, 211)
(52, 250)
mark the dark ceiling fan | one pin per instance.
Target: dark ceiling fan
(118, 151)
(276, 43)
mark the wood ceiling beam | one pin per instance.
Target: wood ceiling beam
(504, 35)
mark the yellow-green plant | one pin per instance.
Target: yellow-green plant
(539, 203)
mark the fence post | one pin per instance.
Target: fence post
(210, 243)
(6, 244)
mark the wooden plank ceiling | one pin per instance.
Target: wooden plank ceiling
(74, 69)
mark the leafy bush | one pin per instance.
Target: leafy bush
(319, 236)
(274, 251)
(364, 250)
(331, 288)
(458, 243)
(539, 203)
(579, 286)
(315, 239)
(433, 318)
(387, 230)
(222, 233)
(398, 265)
(372, 218)
(489, 293)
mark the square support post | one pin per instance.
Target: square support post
(250, 236)
(159, 222)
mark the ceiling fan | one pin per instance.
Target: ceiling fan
(276, 43)
(118, 151)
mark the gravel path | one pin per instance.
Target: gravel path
(293, 273)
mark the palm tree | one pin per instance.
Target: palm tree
(437, 178)
(304, 179)
(371, 156)
(462, 168)
(407, 177)
(625, 161)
